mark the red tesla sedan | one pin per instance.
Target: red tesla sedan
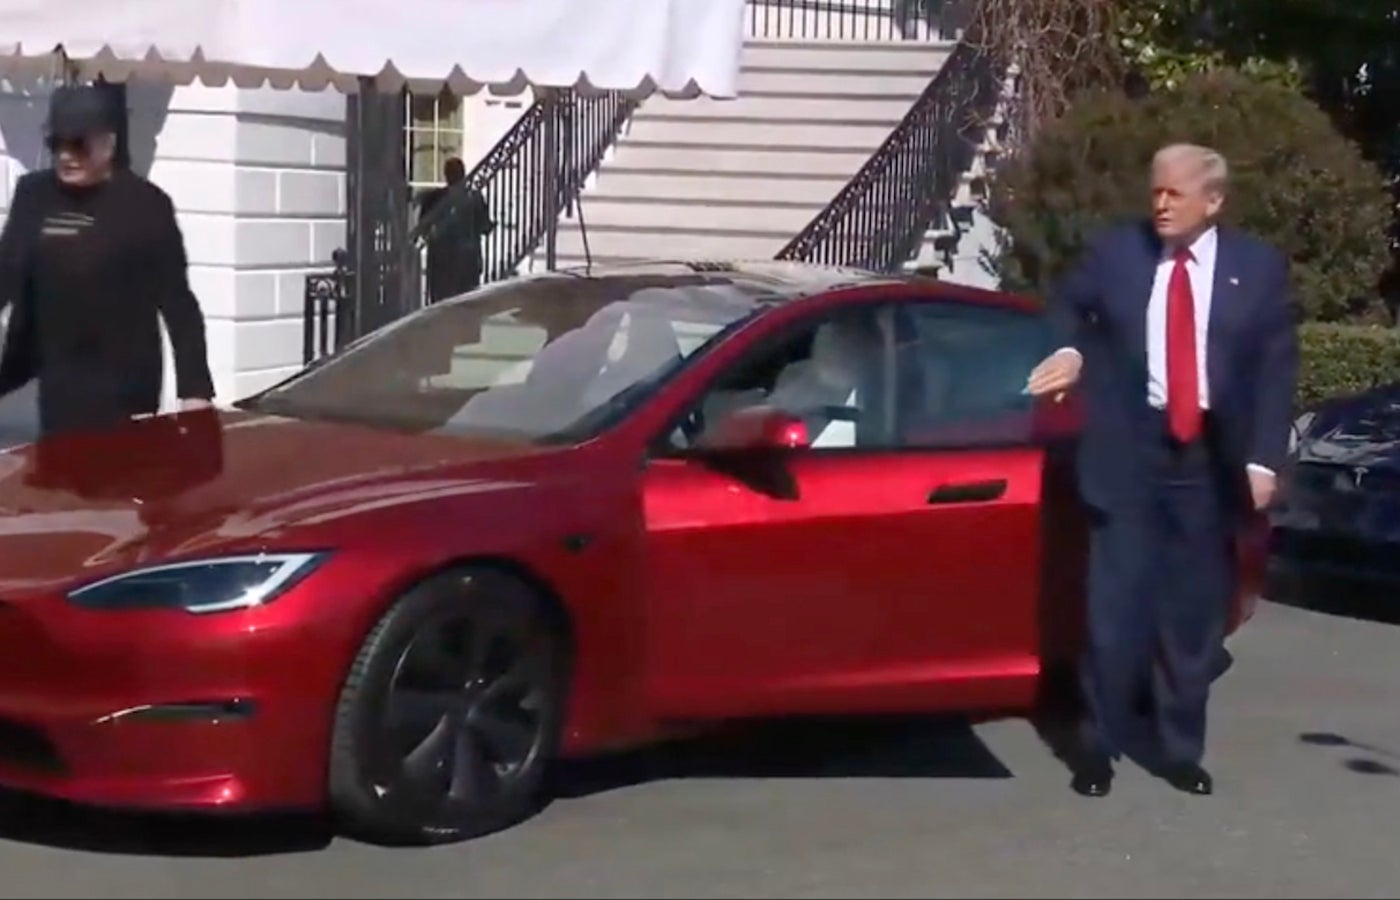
(561, 514)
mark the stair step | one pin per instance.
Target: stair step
(845, 56)
(739, 178)
(681, 184)
(646, 213)
(748, 159)
(834, 82)
(771, 106)
(796, 133)
(674, 243)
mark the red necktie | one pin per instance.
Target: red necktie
(1183, 390)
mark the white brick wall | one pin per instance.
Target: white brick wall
(258, 180)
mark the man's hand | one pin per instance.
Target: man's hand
(1056, 374)
(190, 404)
(1262, 487)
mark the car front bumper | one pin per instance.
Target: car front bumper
(163, 709)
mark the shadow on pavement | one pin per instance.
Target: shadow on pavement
(1057, 719)
(1362, 765)
(1367, 606)
(886, 747)
(1350, 600)
(904, 747)
(881, 748)
(40, 821)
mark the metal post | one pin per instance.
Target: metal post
(347, 320)
(551, 176)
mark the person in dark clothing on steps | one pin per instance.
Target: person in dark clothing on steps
(91, 259)
(453, 231)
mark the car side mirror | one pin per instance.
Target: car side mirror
(758, 428)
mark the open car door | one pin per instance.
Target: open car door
(852, 518)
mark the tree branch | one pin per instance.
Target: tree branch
(1056, 47)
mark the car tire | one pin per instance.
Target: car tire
(451, 712)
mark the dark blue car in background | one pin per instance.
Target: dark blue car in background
(1336, 531)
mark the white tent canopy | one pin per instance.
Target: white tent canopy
(677, 47)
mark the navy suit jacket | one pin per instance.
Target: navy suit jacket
(1100, 309)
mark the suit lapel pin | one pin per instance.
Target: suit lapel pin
(1234, 281)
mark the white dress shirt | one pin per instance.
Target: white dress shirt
(1201, 269)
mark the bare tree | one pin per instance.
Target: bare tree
(1053, 47)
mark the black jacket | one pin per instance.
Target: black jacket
(88, 277)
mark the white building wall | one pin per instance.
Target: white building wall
(258, 180)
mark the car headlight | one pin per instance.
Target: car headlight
(201, 586)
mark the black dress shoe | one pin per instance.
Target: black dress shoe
(1092, 781)
(1189, 777)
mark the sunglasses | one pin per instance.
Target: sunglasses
(76, 145)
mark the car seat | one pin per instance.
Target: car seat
(836, 377)
(642, 345)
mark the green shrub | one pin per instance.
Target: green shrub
(1295, 181)
(1344, 359)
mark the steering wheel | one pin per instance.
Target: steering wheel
(692, 425)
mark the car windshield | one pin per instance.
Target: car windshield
(547, 359)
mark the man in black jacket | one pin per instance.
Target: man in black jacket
(453, 230)
(91, 258)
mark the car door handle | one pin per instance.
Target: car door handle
(968, 491)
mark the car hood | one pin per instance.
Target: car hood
(1362, 430)
(217, 481)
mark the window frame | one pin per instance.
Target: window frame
(433, 130)
(660, 446)
(1029, 412)
(885, 311)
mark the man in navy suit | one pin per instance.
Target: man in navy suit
(1180, 336)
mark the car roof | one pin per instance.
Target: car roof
(785, 281)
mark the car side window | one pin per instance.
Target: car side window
(830, 371)
(961, 371)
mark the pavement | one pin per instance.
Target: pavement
(1305, 748)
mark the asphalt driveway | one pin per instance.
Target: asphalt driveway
(1306, 753)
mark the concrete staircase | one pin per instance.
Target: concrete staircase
(739, 178)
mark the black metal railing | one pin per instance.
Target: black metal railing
(326, 295)
(377, 212)
(531, 177)
(878, 220)
(535, 172)
(856, 20)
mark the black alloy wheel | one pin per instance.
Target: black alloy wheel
(451, 713)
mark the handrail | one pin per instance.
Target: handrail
(533, 174)
(536, 171)
(880, 216)
(854, 20)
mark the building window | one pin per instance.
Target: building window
(433, 133)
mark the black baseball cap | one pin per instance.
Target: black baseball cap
(77, 112)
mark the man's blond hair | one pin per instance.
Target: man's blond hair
(1210, 163)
